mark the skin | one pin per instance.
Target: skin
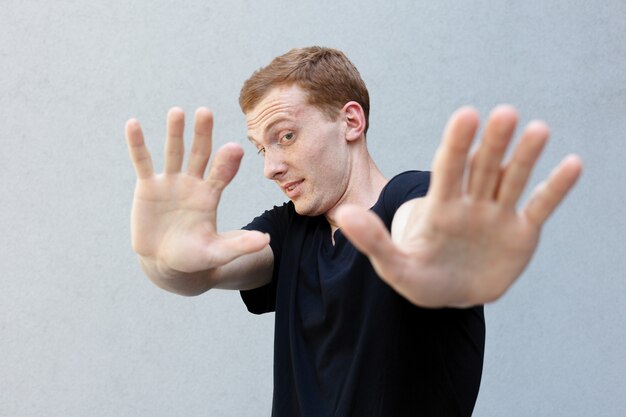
(173, 219)
(463, 244)
(319, 164)
(467, 242)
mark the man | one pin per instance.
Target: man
(377, 284)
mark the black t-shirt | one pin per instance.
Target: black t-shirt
(346, 344)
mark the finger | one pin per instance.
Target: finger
(201, 145)
(174, 143)
(485, 163)
(139, 154)
(517, 171)
(368, 233)
(450, 159)
(547, 196)
(237, 244)
(223, 168)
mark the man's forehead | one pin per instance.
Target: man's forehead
(279, 101)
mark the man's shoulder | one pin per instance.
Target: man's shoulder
(272, 218)
(405, 186)
(410, 179)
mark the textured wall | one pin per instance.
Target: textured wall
(83, 333)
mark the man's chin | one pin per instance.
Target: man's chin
(306, 210)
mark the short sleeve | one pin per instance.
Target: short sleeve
(274, 222)
(402, 188)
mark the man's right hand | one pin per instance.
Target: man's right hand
(173, 221)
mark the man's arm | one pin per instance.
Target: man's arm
(466, 242)
(173, 220)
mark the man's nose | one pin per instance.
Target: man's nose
(274, 165)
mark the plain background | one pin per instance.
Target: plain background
(84, 333)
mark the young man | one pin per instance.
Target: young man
(377, 284)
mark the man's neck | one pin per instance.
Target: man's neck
(363, 190)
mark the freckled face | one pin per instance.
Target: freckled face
(304, 152)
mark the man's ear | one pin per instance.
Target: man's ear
(354, 116)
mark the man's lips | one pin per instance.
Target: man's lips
(290, 187)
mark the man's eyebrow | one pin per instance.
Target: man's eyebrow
(271, 125)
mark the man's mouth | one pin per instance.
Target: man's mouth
(290, 187)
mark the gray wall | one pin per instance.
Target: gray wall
(83, 333)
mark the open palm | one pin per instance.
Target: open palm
(173, 218)
(466, 242)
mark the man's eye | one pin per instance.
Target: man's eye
(287, 137)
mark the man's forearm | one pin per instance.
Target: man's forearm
(187, 284)
(242, 273)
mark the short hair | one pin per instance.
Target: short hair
(326, 75)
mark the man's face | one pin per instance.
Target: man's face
(305, 153)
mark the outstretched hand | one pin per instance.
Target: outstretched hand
(466, 242)
(173, 222)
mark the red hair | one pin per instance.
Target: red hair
(326, 75)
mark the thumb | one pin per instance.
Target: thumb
(368, 233)
(232, 247)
